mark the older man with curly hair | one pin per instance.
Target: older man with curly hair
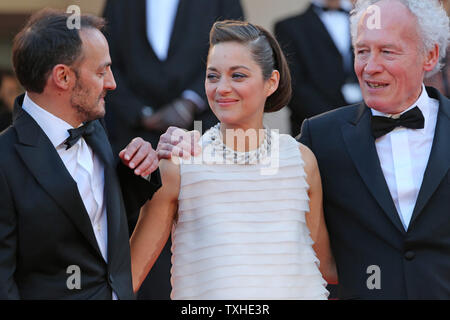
(385, 162)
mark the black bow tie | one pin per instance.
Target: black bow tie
(412, 119)
(75, 134)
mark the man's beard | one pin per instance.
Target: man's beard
(86, 111)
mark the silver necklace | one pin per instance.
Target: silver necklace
(230, 156)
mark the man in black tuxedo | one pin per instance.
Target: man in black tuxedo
(159, 50)
(318, 47)
(63, 223)
(385, 162)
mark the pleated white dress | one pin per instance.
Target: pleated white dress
(241, 232)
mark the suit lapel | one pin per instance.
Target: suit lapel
(44, 163)
(99, 143)
(321, 32)
(179, 29)
(361, 147)
(140, 12)
(439, 161)
(320, 42)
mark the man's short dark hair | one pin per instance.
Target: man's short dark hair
(45, 41)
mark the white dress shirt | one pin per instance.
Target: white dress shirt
(82, 164)
(404, 154)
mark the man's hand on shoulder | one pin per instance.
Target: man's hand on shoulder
(140, 156)
(179, 143)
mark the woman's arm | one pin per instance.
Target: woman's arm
(154, 224)
(315, 218)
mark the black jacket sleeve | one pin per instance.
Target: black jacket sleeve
(135, 189)
(8, 243)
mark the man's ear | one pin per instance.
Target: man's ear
(63, 77)
(432, 58)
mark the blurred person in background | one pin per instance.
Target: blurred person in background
(318, 48)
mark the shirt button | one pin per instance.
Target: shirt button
(409, 255)
(111, 279)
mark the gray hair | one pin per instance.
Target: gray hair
(432, 25)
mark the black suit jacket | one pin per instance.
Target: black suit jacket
(142, 79)
(316, 65)
(361, 217)
(44, 226)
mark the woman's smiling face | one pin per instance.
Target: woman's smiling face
(235, 86)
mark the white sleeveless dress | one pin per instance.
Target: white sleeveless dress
(241, 231)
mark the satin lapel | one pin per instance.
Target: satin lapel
(112, 194)
(439, 161)
(361, 147)
(180, 23)
(138, 10)
(43, 161)
(321, 32)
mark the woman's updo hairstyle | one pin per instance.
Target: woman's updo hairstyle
(265, 51)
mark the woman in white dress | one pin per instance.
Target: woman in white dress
(246, 218)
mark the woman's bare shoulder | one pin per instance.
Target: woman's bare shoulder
(308, 156)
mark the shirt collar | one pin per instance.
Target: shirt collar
(423, 103)
(54, 127)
